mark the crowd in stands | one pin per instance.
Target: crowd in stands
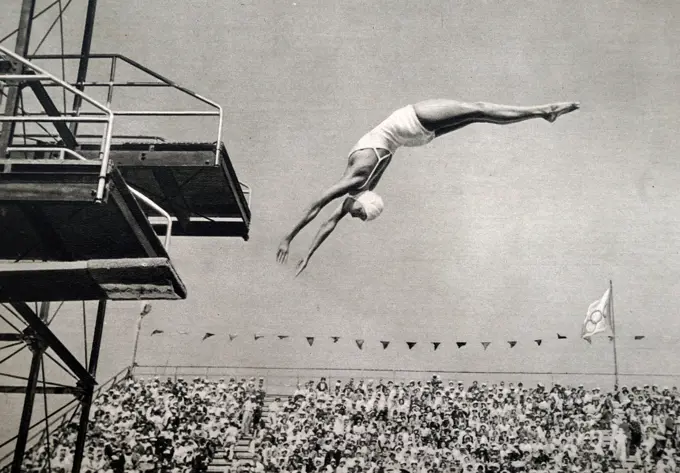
(155, 426)
(423, 427)
(373, 427)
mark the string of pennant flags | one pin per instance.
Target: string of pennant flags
(359, 342)
(599, 318)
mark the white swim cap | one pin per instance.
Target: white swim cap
(372, 203)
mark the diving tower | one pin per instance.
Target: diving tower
(90, 216)
(84, 219)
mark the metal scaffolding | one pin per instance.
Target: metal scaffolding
(37, 335)
(32, 330)
(21, 48)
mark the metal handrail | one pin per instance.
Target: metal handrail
(307, 373)
(35, 136)
(134, 113)
(106, 142)
(106, 111)
(159, 209)
(62, 151)
(119, 84)
(51, 119)
(106, 114)
(90, 117)
(23, 77)
(249, 191)
(164, 80)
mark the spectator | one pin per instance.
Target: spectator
(248, 411)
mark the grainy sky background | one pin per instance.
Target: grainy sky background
(489, 234)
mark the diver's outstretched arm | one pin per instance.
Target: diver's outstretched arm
(326, 229)
(339, 189)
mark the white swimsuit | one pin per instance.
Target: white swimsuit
(401, 128)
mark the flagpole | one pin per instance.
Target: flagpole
(134, 350)
(145, 309)
(611, 311)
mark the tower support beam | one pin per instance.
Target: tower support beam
(21, 48)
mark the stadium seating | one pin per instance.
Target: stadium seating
(139, 426)
(419, 427)
(368, 426)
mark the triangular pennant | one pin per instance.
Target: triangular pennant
(411, 344)
(335, 339)
(461, 344)
(310, 340)
(639, 337)
(561, 337)
(486, 345)
(538, 342)
(587, 339)
(384, 344)
(282, 337)
(257, 337)
(611, 338)
(231, 337)
(155, 332)
(436, 345)
(512, 343)
(208, 335)
(360, 343)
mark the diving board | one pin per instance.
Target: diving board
(49, 216)
(118, 279)
(201, 193)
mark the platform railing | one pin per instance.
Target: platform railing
(37, 149)
(161, 82)
(160, 210)
(106, 115)
(40, 137)
(284, 380)
(247, 191)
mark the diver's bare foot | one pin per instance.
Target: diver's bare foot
(557, 109)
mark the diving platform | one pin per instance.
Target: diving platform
(90, 216)
(195, 185)
(118, 279)
(65, 246)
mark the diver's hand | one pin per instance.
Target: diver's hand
(302, 264)
(282, 253)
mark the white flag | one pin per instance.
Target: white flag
(597, 318)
